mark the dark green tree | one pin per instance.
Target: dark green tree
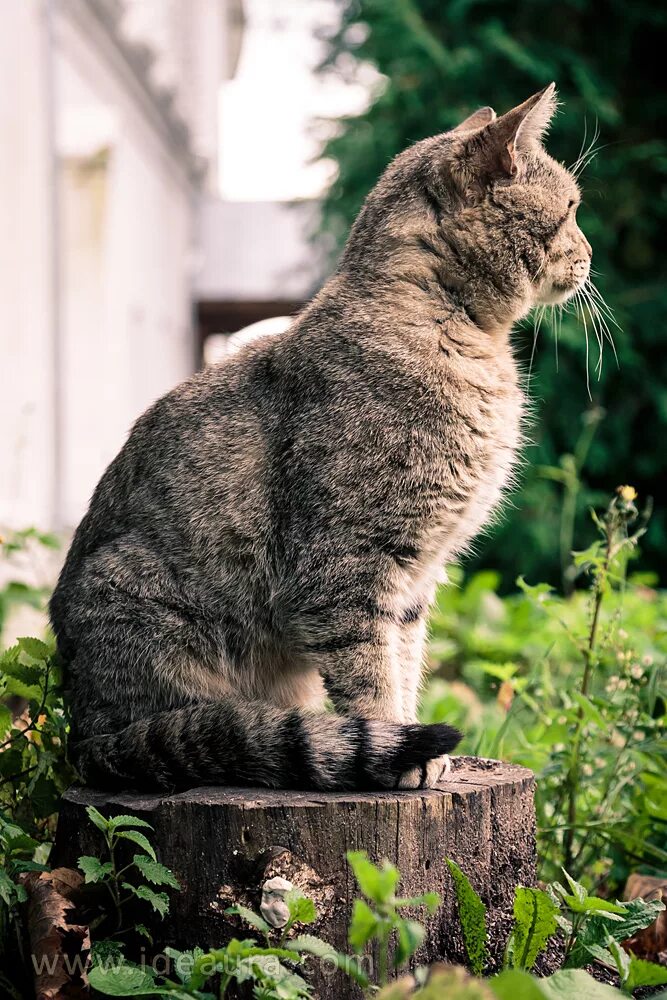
(439, 60)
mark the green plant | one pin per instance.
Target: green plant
(144, 869)
(377, 918)
(574, 688)
(593, 928)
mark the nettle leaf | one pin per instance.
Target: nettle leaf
(472, 914)
(576, 888)
(567, 984)
(31, 692)
(158, 900)
(301, 908)
(592, 904)
(144, 932)
(123, 980)
(6, 721)
(97, 819)
(363, 925)
(35, 648)
(410, 936)
(116, 822)
(155, 872)
(639, 913)
(621, 959)
(599, 929)
(140, 839)
(535, 922)
(94, 869)
(644, 973)
(251, 918)
(311, 945)
(431, 900)
(7, 888)
(20, 843)
(377, 882)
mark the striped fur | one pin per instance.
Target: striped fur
(272, 533)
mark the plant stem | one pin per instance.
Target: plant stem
(574, 773)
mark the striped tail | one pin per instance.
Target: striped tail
(253, 743)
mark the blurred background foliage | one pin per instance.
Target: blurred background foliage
(439, 61)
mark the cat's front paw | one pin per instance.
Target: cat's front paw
(427, 776)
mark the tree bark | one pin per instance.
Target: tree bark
(225, 843)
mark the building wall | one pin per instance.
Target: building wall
(126, 254)
(98, 189)
(27, 437)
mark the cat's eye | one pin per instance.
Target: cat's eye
(571, 203)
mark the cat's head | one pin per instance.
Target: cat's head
(486, 210)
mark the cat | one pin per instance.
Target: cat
(272, 533)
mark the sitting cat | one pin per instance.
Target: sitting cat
(273, 530)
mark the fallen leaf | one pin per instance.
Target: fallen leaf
(651, 942)
(60, 950)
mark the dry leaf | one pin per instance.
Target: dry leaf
(651, 943)
(60, 950)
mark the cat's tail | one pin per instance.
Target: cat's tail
(252, 743)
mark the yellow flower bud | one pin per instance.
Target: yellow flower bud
(627, 493)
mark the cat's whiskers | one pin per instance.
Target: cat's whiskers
(603, 312)
(577, 304)
(588, 154)
(539, 316)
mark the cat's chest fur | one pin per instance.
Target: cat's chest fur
(464, 454)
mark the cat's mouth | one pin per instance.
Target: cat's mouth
(555, 293)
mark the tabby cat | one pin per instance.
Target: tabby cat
(272, 532)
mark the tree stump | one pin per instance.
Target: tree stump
(225, 843)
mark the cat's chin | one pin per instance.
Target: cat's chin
(555, 295)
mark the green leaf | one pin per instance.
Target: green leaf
(534, 923)
(20, 843)
(155, 872)
(31, 692)
(116, 822)
(158, 900)
(363, 925)
(251, 918)
(6, 721)
(639, 913)
(97, 819)
(7, 888)
(144, 932)
(592, 904)
(431, 900)
(301, 908)
(140, 839)
(376, 882)
(94, 869)
(472, 914)
(410, 936)
(123, 980)
(644, 973)
(567, 984)
(35, 648)
(312, 945)
(621, 959)
(576, 888)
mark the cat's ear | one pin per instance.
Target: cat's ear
(479, 118)
(494, 151)
(518, 129)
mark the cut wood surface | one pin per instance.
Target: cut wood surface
(225, 843)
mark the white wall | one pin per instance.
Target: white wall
(27, 445)
(126, 259)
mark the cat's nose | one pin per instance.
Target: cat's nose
(580, 268)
